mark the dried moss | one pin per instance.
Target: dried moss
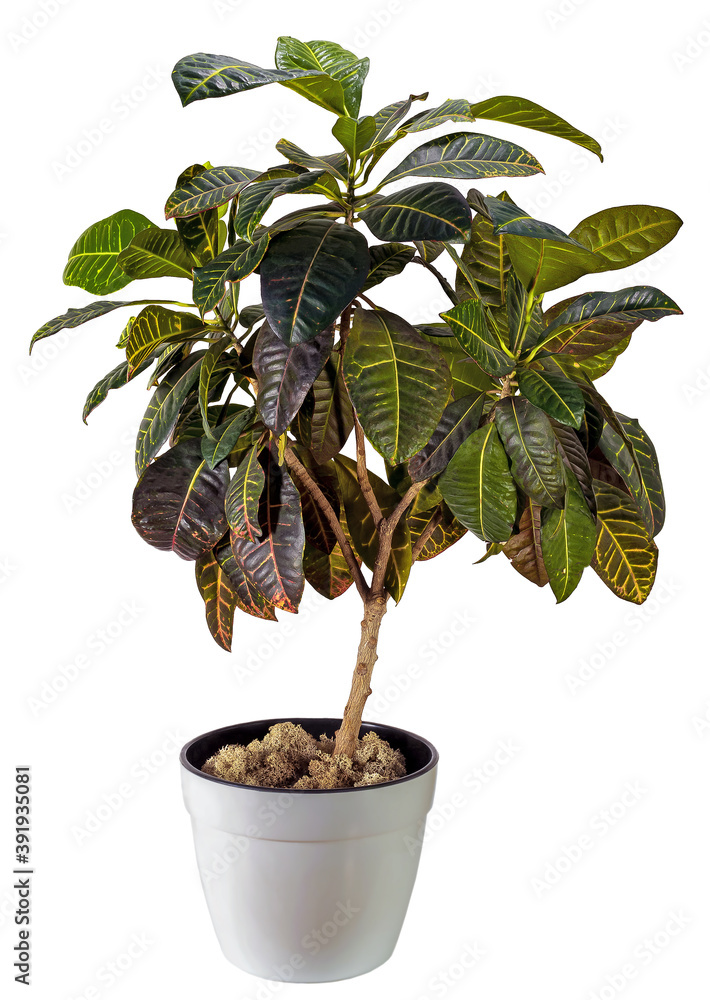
(289, 757)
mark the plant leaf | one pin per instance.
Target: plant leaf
(355, 135)
(629, 450)
(568, 539)
(219, 596)
(207, 367)
(204, 75)
(233, 264)
(386, 261)
(76, 317)
(575, 458)
(178, 503)
(226, 435)
(162, 412)
(243, 495)
(459, 420)
(557, 396)
(309, 274)
(208, 189)
(625, 235)
(468, 323)
(343, 68)
(334, 163)
(249, 599)
(462, 155)
(399, 383)
(457, 110)
(524, 549)
(330, 419)
(520, 111)
(93, 260)
(531, 445)
(285, 374)
(155, 326)
(466, 377)
(626, 556)
(389, 118)
(116, 378)
(258, 197)
(444, 535)
(432, 211)
(156, 253)
(478, 487)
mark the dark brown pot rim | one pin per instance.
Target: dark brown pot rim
(419, 754)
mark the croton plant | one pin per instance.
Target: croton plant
(487, 418)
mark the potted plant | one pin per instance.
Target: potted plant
(487, 418)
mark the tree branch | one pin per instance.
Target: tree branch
(309, 484)
(362, 476)
(450, 293)
(429, 530)
(387, 527)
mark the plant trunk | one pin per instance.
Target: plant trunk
(347, 736)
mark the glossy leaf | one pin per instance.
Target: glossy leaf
(463, 155)
(557, 396)
(445, 534)
(93, 260)
(466, 376)
(178, 503)
(629, 450)
(233, 264)
(386, 261)
(207, 368)
(249, 598)
(329, 419)
(154, 327)
(576, 459)
(285, 373)
(309, 274)
(524, 549)
(163, 409)
(341, 89)
(531, 445)
(328, 573)
(597, 339)
(226, 435)
(219, 596)
(76, 317)
(389, 117)
(459, 420)
(626, 556)
(334, 163)
(274, 563)
(243, 495)
(568, 539)
(625, 235)
(204, 75)
(432, 211)
(520, 111)
(458, 110)
(256, 200)
(478, 487)
(399, 383)
(208, 189)
(319, 531)
(116, 378)
(355, 135)
(470, 327)
(156, 253)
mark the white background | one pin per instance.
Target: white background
(78, 582)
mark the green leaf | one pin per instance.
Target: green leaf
(433, 211)
(178, 503)
(76, 317)
(625, 235)
(243, 495)
(464, 155)
(226, 435)
(559, 397)
(466, 376)
(365, 535)
(459, 420)
(531, 445)
(273, 564)
(355, 135)
(249, 599)
(208, 189)
(329, 419)
(219, 596)
(457, 110)
(444, 535)
(627, 305)
(93, 260)
(478, 487)
(486, 256)
(345, 73)
(285, 373)
(328, 573)
(207, 367)
(203, 75)
(593, 337)
(156, 253)
(319, 531)
(429, 250)
(468, 323)
(155, 326)
(389, 118)
(399, 383)
(626, 556)
(114, 380)
(334, 163)
(256, 199)
(524, 549)
(576, 459)
(162, 412)
(568, 539)
(386, 261)
(629, 451)
(520, 111)
(233, 264)
(309, 275)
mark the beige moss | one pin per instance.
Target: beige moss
(288, 757)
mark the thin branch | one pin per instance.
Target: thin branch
(429, 530)
(451, 294)
(309, 484)
(362, 476)
(387, 528)
(370, 303)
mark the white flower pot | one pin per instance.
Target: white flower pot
(308, 886)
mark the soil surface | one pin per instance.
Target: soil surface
(289, 757)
